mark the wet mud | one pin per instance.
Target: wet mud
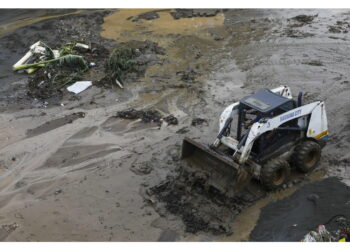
(53, 124)
(107, 178)
(312, 205)
(201, 208)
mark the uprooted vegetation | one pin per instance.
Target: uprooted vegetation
(92, 62)
(129, 60)
(52, 74)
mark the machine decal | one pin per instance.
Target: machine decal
(290, 115)
(321, 135)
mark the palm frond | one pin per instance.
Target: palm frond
(67, 60)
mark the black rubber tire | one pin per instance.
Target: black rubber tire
(306, 156)
(275, 173)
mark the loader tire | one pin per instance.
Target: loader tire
(306, 156)
(275, 173)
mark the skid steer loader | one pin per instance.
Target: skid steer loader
(273, 134)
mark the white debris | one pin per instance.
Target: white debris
(320, 235)
(38, 49)
(81, 45)
(119, 84)
(80, 86)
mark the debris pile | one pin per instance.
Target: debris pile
(129, 60)
(56, 68)
(341, 233)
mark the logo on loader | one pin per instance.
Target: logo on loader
(290, 115)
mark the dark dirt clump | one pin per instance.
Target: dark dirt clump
(171, 120)
(147, 116)
(312, 205)
(297, 34)
(198, 121)
(189, 13)
(200, 206)
(339, 27)
(304, 19)
(146, 16)
(188, 75)
(183, 130)
(314, 63)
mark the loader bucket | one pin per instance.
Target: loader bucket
(222, 172)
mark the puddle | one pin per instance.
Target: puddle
(187, 41)
(120, 26)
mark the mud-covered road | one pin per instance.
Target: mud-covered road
(70, 170)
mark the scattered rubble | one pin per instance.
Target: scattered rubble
(171, 120)
(147, 116)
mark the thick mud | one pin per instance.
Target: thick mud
(312, 205)
(104, 178)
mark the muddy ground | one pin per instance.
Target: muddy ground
(73, 170)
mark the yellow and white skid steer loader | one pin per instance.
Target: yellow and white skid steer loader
(273, 134)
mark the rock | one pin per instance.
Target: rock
(313, 197)
(198, 121)
(171, 120)
(58, 191)
(183, 130)
(141, 169)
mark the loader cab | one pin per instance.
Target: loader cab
(264, 104)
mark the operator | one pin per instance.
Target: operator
(251, 122)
